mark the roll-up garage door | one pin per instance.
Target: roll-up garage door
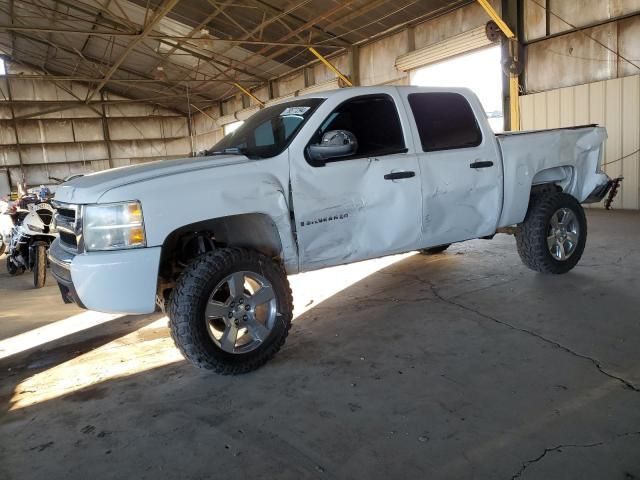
(462, 43)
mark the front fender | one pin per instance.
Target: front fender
(171, 202)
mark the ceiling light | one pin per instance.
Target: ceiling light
(160, 74)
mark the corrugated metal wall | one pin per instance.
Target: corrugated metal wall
(614, 104)
(40, 137)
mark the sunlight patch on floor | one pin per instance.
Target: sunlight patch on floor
(151, 346)
(147, 348)
(53, 331)
(312, 288)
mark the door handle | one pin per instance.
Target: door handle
(399, 175)
(484, 164)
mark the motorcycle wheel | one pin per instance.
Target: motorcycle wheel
(40, 267)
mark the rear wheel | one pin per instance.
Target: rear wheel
(553, 235)
(40, 266)
(231, 310)
(435, 250)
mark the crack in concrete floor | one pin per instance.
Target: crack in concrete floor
(559, 448)
(450, 301)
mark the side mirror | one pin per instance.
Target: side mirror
(334, 144)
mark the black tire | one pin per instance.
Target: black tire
(189, 299)
(531, 235)
(12, 269)
(40, 266)
(435, 250)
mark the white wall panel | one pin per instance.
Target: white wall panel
(614, 104)
(631, 138)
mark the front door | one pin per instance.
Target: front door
(365, 205)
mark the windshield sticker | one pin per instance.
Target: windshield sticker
(294, 111)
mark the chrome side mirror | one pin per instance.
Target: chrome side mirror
(334, 144)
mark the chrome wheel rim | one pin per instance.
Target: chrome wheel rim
(563, 234)
(241, 312)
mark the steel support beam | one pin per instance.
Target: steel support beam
(105, 130)
(249, 94)
(121, 34)
(281, 14)
(514, 87)
(75, 78)
(331, 67)
(15, 129)
(164, 9)
(324, 15)
(354, 65)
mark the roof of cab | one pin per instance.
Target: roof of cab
(354, 91)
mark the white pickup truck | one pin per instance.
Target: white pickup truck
(319, 180)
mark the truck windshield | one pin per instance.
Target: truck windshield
(268, 132)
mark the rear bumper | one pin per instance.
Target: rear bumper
(599, 192)
(121, 281)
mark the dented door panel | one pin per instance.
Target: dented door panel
(347, 211)
(462, 187)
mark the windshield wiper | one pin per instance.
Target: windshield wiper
(228, 151)
(233, 151)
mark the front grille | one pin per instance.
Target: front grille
(68, 239)
(66, 224)
(67, 213)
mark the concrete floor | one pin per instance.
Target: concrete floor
(461, 365)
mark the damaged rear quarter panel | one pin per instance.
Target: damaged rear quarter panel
(527, 154)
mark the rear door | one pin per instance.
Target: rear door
(460, 167)
(365, 205)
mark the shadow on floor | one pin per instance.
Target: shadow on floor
(469, 366)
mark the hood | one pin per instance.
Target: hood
(90, 188)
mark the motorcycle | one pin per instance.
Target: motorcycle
(30, 238)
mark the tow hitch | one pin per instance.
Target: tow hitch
(614, 186)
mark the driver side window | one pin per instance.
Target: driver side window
(374, 121)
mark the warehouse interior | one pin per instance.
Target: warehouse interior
(458, 365)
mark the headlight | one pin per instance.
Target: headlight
(35, 228)
(113, 226)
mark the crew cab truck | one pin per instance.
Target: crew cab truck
(319, 180)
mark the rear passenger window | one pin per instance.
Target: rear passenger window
(445, 121)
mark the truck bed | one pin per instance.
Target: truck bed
(569, 157)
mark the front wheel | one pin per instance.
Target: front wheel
(231, 310)
(40, 266)
(553, 235)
